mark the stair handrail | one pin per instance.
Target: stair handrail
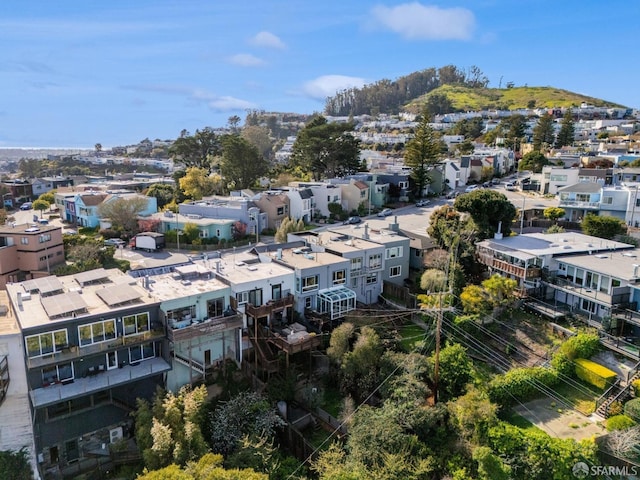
(603, 398)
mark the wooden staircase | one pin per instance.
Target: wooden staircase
(619, 392)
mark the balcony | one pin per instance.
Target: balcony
(509, 268)
(208, 326)
(270, 307)
(618, 295)
(577, 204)
(298, 340)
(78, 387)
(73, 352)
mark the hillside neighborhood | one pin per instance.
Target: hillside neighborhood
(150, 271)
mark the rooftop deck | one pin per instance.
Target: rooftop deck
(205, 327)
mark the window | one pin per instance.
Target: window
(371, 279)
(187, 313)
(254, 297)
(393, 252)
(375, 261)
(310, 283)
(24, 240)
(564, 196)
(363, 193)
(57, 373)
(97, 332)
(395, 271)
(242, 297)
(215, 307)
(142, 352)
(281, 211)
(218, 232)
(46, 343)
(136, 324)
(45, 237)
(339, 277)
(308, 302)
(558, 178)
(354, 282)
(607, 201)
(203, 233)
(583, 197)
(356, 263)
(403, 185)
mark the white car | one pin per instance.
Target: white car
(471, 188)
(510, 186)
(385, 213)
(423, 203)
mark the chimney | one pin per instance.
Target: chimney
(365, 235)
(635, 270)
(218, 266)
(394, 227)
(20, 299)
(279, 254)
(498, 234)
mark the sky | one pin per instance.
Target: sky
(74, 73)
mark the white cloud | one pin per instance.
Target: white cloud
(246, 60)
(218, 103)
(415, 21)
(327, 85)
(267, 40)
(229, 104)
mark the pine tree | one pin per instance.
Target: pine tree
(566, 135)
(543, 135)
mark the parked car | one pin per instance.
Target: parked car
(385, 213)
(471, 188)
(453, 194)
(495, 181)
(423, 203)
(486, 184)
(116, 242)
(26, 206)
(352, 220)
(510, 186)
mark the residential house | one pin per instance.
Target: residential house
(553, 178)
(378, 190)
(93, 343)
(19, 192)
(366, 259)
(208, 228)
(202, 328)
(275, 205)
(28, 251)
(86, 205)
(301, 203)
(236, 208)
(523, 257)
(398, 180)
(324, 194)
(354, 194)
(580, 199)
(595, 285)
(454, 176)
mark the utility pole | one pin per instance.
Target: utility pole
(524, 199)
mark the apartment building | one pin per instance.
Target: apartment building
(93, 342)
(28, 250)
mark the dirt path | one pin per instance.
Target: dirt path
(557, 421)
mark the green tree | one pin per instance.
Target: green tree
(198, 183)
(123, 213)
(499, 290)
(566, 135)
(340, 342)
(326, 149)
(209, 467)
(474, 299)
(603, 226)
(241, 162)
(472, 414)
(533, 161)
(41, 206)
(471, 128)
(553, 213)
(234, 122)
(246, 414)
(197, 150)
(488, 210)
(438, 104)
(490, 466)
(455, 371)
(543, 133)
(259, 138)
(168, 431)
(48, 197)
(360, 367)
(433, 280)
(163, 193)
(422, 154)
(14, 465)
(465, 148)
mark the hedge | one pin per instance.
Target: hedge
(521, 384)
(594, 373)
(632, 409)
(619, 422)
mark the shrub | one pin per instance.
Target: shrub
(632, 409)
(616, 408)
(582, 345)
(619, 422)
(520, 384)
(594, 373)
(636, 388)
(562, 363)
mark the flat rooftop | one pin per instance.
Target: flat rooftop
(342, 242)
(378, 230)
(50, 300)
(543, 244)
(32, 228)
(186, 281)
(305, 258)
(624, 265)
(244, 268)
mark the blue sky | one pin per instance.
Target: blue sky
(75, 73)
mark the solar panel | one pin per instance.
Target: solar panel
(117, 295)
(43, 285)
(63, 305)
(91, 276)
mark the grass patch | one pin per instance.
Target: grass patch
(410, 334)
(331, 400)
(317, 437)
(582, 396)
(519, 421)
